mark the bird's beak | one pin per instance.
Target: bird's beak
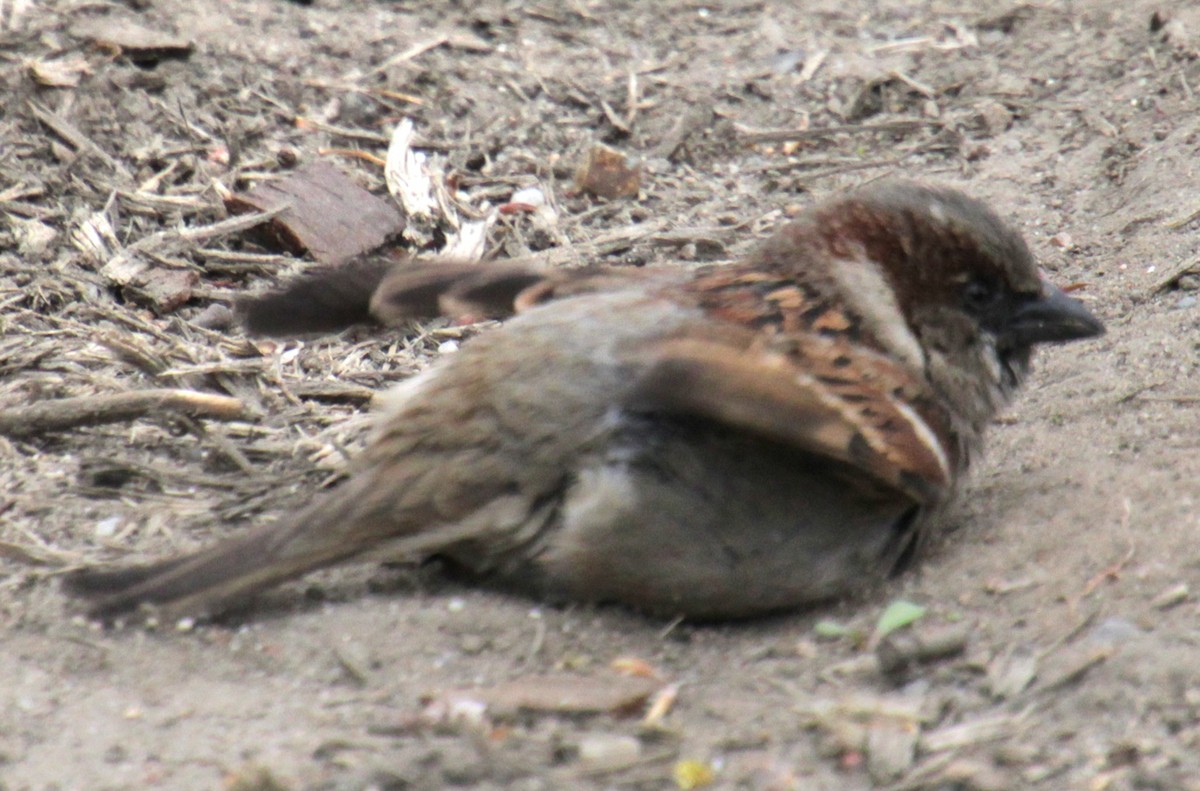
(1052, 317)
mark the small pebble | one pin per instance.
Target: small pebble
(1112, 631)
(992, 118)
(531, 196)
(472, 644)
(107, 528)
(609, 750)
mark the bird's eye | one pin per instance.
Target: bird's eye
(979, 295)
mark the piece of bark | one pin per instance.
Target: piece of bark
(327, 215)
(562, 694)
(607, 173)
(902, 650)
(140, 44)
(169, 289)
(64, 72)
(163, 288)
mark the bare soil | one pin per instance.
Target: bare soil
(1070, 562)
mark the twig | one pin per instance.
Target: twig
(787, 167)
(1172, 399)
(353, 153)
(1186, 266)
(786, 135)
(925, 90)
(222, 444)
(1137, 392)
(1179, 222)
(65, 413)
(342, 131)
(202, 234)
(76, 138)
(35, 555)
(413, 52)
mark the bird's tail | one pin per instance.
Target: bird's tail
(380, 290)
(323, 299)
(342, 524)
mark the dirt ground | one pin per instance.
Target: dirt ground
(1068, 565)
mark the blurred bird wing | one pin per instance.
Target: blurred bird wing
(425, 289)
(851, 408)
(490, 290)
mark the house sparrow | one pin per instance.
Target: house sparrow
(713, 442)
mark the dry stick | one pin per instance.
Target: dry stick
(598, 246)
(343, 131)
(1179, 222)
(1170, 399)
(1185, 267)
(786, 135)
(65, 413)
(202, 234)
(36, 555)
(222, 442)
(149, 362)
(788, 167)
(407, 55)
(76, 138)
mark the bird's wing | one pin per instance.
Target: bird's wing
(491, 290)
(778, 357)
(865, 421)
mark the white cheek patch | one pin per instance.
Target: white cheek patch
(991, 357)
(862, 284)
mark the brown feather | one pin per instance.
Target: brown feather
(450, 288)
(768, 394)
(324, 299)
(339, 525)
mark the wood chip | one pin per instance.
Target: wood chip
(891, 747)
(961, 735)
(1009, 676)
(164, 288)
(65, 72)
(609, 750)
(1176, 594)
(660, 706)
(1073, 666)
(169, 289)
(883, 730)
(563, 694)
(140, 44)
(408, 180)
(899, 651)
(323, 212)
(609, 174)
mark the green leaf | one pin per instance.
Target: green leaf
(898, 614)
(831, 629)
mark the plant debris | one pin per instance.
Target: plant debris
(560, 694)
(322, 212)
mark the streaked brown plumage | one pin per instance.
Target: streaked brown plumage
(718, 441)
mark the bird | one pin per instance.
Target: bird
(711, 442)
